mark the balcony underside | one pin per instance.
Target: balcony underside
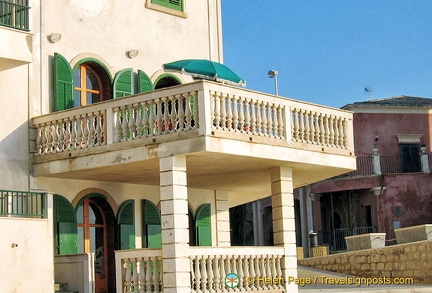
(212, 162)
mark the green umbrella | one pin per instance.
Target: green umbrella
(206, 69)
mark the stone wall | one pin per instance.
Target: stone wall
(411, 260)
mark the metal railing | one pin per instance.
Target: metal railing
(364, 167)
(335, 239)
(15, 14)
(22, 204)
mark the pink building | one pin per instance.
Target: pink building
(392, 186)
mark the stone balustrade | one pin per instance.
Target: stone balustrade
(139, 270)
(253, 266)
(204, 107)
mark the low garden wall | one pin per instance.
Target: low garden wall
(411, 260)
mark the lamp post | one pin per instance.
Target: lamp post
(273, 74)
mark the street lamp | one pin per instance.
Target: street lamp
(273, 74)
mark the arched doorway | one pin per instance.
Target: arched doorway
(96, 234)
(166, 80)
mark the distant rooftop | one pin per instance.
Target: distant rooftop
(400, 101)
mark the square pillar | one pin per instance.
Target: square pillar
(284, 222)
(175, 226)
(223, 234)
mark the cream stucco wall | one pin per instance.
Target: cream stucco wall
(29, 266)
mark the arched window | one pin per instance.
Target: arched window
(166, 80)
(91, 84)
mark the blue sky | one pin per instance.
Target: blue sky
(328, 51)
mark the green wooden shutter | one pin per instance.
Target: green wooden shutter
(122, 86)
(126, 225)
(203, 226)
(63, 83)
(144, 82)
(65, 226)
(173, 4)
(152, 225)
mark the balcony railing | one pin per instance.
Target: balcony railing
(141, 270)
(15, 14)
(200, 108)
(364, 167)
(22, 204)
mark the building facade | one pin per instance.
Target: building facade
(391, 187)
(118, 176)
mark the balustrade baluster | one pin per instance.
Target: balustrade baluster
(295, 125)
(235, 103)
(223, 272)
(268, 269)
(210, 273)
(234, 269)
(345, 132)
(84, 130)
(99, 128)
(273, 269)
(193, 278)
(92, 129)
(281, 122)
(158, 126)
(127, 276)
(148, 277)
(336, 131)
(48, 135)
(216, 273)
(229, 122)
(279, 270)
(134, 280)
(223, 113)
(131, 122)
(301, 134)
(60, 136)
(38, 139)
(197, 274)
(270, 114)
(216, 109)
(252, 272)
(326, 130)
(117, 127)
(195, 110)
(246, 260)
(242, 108)
(204, 276)
(173, 116)
(315, 132)
(181, 113)
(264, 121)
(124, 123)
(138, 120)
(141, 276)
(258, 272)
(188, 112)
(145, 118)
(156, 277)
(307, 126)
(240, 272)
(258, 129)
(248, 110)
(253, 117)
(165, 115)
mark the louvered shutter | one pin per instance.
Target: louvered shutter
(144, 82)
(152, 225)
(126, 225)
(122, 86)
(66, 226)
(63, 83)
(203, 226)
(173, 4)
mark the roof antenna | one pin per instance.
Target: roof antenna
(368, 90)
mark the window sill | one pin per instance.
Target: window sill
(165, 9)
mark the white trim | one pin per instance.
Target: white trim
(409, 138)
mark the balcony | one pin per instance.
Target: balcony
(21, 204)
(209, 122)
(15, 14)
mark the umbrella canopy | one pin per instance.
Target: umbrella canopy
(206, 69)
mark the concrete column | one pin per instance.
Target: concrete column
(424, 159)
(223, 235)
(175, 233)
(376, 161)
(284, 222)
